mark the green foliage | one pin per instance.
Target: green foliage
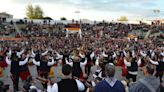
(34, 12)
(123, 18)
(30, 12)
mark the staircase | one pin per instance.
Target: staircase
(147, 34)
(16, 28)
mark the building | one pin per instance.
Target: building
(4, 16)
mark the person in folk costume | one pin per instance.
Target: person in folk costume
(120, 59)
(3, 63)
(89, 85)
(132, 63)
(36, 54)
(83, 60)
(84, 79)
(100, 72)
(78, 65)
(120, 62)
(90, 55)
(62, 56)
(43, 67)
(160, 67)
(52, 54)
(144, 58)
(15, 64)
(103, 53)
(24, 70)
(109, 58)
(95, 68)
(67, 84)
(65, 55)
(159, 62)
(60, 62)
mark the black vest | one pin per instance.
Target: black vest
(43, 67)
(88, 57)
(15, 68)
(134, 66)
(37, 57)
(64, 57)
(23, 68)
(2, 58)
(67, 85)
(76, 70)
(160, 67)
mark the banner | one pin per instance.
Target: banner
(73, 28)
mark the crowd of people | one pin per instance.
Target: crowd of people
(7, 29)
(88, 63)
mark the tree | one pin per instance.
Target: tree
(123, 18)
(63, 18)
(34, 12)
(30, 12)
(38, 12)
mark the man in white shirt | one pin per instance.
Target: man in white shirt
(67, 83)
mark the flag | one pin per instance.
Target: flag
(73, 28)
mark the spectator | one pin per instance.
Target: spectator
(148, 84)
(110, 84)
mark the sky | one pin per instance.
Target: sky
(89, 9)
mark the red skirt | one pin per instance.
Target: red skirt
(124, 71)
(89, 64)
(3, 64)
(24, 75)
(120, 62)
(142, 64)
(81, 75)
(42, 73)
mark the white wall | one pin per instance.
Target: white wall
(40, 21)
(147, 22)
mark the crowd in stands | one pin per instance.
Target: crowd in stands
(88, 63)
(7, 29)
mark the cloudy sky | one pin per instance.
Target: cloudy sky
(89, 9)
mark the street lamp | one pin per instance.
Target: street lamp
(156, 11)
(77, 12)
